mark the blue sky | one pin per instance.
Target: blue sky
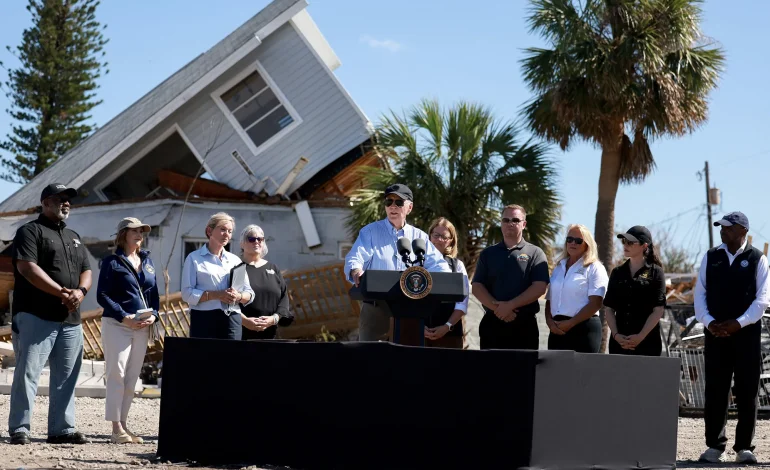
(396, 52)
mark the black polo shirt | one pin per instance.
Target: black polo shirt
(59, 252)
(507, 273)
(634, 297)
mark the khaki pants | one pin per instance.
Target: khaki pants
(124, 351)
(374, 323)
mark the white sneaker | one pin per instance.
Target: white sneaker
(745, 456)
(712, 455)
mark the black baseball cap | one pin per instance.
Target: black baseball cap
(637, 233)
(733, 218)
(57, 188)
(400, 190)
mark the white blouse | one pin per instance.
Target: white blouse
(570, 288)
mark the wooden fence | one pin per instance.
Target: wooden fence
(317, 296)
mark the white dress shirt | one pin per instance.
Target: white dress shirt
(460, 268)
(204, 271)
(570, 288)
(755, 310)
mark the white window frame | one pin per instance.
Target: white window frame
(144, 151)
(216, 95)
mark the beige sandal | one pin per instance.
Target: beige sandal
(134, 438)
(122, 438)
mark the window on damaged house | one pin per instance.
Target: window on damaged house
(257, 108)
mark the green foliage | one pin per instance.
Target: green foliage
(53, 90)
(463, 164)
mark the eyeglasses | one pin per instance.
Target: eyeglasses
(397, 202)
(575, 240)
(442, 238)
(627, 242)
(514, 221)
(255, 239)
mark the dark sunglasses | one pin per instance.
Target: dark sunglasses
(575, 240)
(255, 239)
(397, 202)
(627, 242)
(506, 220)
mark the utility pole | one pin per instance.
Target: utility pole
(708, 207)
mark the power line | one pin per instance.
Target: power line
(699, 206)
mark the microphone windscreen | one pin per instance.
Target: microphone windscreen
(419, 246)
(404, 247)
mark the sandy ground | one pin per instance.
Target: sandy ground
(144, 421)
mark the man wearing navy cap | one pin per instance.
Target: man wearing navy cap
(731, 295)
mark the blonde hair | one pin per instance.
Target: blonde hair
(592, 252)
(451, 250)
(120, 241)
(217, 219)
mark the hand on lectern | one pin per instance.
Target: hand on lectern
(356, 276)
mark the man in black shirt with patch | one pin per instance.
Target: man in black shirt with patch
(510, 278)
(51, 276)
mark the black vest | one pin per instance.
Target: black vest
(731, 288)
(445, 310)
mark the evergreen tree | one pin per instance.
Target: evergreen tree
(53, 89)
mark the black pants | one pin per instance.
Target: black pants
(215, 324)
(739, 354)
(585, 337)
(521, 333)
(650, 346)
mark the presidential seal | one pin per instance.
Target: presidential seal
(416, 282)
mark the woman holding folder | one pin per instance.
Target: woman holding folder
(215, 304)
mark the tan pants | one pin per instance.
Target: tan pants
(374, 323)
(124, 351)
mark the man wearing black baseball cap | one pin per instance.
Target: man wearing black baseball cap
(731, 294)
(52, 275)
(376, 249)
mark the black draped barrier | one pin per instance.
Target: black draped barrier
(385, 406)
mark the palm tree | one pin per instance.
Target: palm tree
(463, 164)
(615, 68)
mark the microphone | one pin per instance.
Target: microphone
(404, 249)
(419, 248)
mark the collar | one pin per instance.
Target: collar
(515, 247)
(50, 223)
(390, 226)
(204, 251)
(723, 246)
(579, 262)
(142, 253)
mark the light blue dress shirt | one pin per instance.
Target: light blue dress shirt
(375, 248)
(204, 271)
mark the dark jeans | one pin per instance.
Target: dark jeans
(521, 333)
(739, 354)
(585, 337)
(215, 324)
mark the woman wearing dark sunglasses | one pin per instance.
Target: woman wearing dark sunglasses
(578, 285)
(270, 307)
(636, 297)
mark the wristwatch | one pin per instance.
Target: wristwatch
(83, 290)
(451, 326)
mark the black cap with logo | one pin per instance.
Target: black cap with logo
(400, 190)
(57, 188)
(637, 233)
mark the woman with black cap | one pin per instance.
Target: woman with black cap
(636, 297)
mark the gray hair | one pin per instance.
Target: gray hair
(255, 229)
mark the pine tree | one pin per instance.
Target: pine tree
(53, 90)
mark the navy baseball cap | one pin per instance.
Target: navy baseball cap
(57, 188)
(400, 190)
(733, 218)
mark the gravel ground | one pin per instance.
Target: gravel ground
(144, 421)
